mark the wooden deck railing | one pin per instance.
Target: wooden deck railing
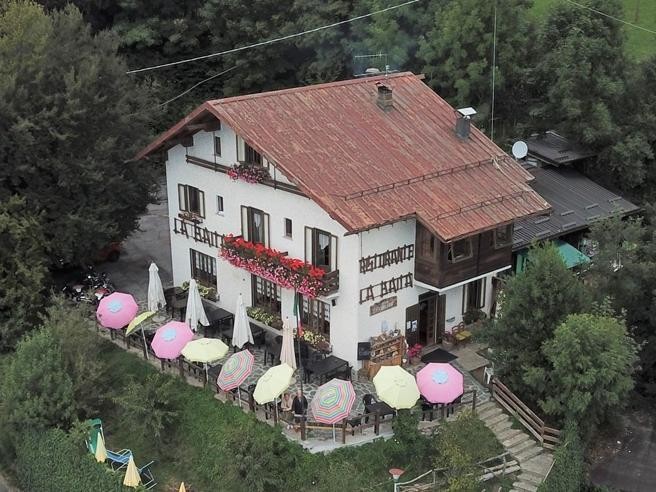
(548, 437)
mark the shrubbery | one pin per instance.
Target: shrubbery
(568, 472)
(53, 461)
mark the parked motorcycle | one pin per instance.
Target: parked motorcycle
(91, 288)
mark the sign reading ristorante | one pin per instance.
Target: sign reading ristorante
(196, 232)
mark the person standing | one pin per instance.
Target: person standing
(299, 407)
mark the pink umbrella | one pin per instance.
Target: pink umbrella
(170, 339)
(440, 383)
(116, 310)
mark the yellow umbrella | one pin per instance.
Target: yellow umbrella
(205, 350)
(182, 488)
(132, 478)
(101, 452)
(396, 387)
(138, 320)
(272, 383)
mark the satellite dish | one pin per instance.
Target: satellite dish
(519, 149)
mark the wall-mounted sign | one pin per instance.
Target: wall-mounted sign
(383, 305)
(196, 232)
(386, 287)
(389, 257)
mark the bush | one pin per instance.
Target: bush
(35, 390)
(461, 444)
(568, 472)
(52, 461)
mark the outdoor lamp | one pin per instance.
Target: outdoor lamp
(396, 474)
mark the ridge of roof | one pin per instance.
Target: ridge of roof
(312, 87)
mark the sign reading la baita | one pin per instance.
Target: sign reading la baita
(386, 287)
(197, 233)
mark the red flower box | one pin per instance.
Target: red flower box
(272, 265)
(251, 173)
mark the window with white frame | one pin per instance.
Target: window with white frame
(219, 204)
(288, 228)
(203, 268)
(191, 199)
(315, 315)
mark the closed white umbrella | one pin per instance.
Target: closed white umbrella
(241, 332)
(195, 312)
(287, 351)
(156, 297)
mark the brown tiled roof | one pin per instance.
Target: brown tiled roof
(368, 167)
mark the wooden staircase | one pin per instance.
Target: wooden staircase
(534, 460)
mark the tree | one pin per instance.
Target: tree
(70, 118)
(22, 271)
(457, 54)
(624, 270)
(533, 304)
(589, 377)
(578, 81)
(35, 391)
(81, 355)
(152, 405)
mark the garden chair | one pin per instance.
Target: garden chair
(147, 478)
(368, 399)
(118, 459)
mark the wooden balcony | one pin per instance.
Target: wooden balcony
(330, 283)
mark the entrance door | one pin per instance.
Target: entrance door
(431, 319)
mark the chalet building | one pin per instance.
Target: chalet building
(406, 209)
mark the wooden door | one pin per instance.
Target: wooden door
(441, 315)
(412, 324)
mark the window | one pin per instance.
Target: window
(219, 204)
(427, 244)
(217, 146)
(203, 268)
(315, 315)
(503, 236)
(321, 250)
(266, 295)
(474, 295)
(191, 199)
(460, 250)
(255, 225)
(252, 155)
(288, 228)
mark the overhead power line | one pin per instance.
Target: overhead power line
(196, 85)
(275, 40)
(592, 9)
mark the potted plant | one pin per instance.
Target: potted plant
(414, 353)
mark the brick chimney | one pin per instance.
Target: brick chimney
(384, 98)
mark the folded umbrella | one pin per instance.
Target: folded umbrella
(195, 312)
(132, 478)
(156, 297)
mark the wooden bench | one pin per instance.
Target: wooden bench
(460, 334)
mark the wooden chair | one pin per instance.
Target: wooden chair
(460, 334)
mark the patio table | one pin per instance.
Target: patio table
(325, 367)
(382, 408)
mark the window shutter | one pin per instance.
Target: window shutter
(308, 245)
(244, 223)
(333, 253)
(267, 233)
(465, 296)
(182, 197)
(481, 300)
(241, 151)
(201, 203)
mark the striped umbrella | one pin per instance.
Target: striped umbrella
(333, 401)
(235, 370)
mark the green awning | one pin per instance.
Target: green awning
(570, 255)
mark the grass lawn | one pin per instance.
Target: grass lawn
(640, 44)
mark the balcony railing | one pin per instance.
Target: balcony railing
(275, 266)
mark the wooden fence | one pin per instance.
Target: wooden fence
(548, 437)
